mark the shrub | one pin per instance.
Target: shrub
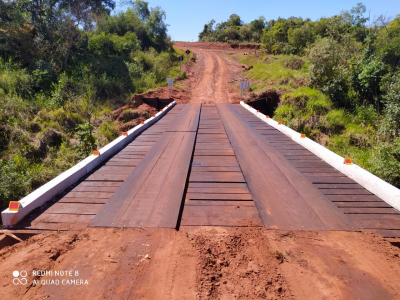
(367, 115)
(385, 166)
(284, 112)
(293, 63)
(336, 121)
(183, 75)
(392, 103)
(129, 114)
(15, 179)
(310, 99)
(86, 139)
(108, 130)
(14, 79)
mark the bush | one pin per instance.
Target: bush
(13, 109)
(367, 115)
(284, 112)
(336, 121)
(107, 44)
(86, 139)
(108, 131)
(129, 114)
(183, 75)
(15, 179)
(293, 63)
(392, 103)
(312, 100)
(14, 79)
(385, 166)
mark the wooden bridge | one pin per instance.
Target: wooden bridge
(217, 165)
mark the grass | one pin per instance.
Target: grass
(269, 71)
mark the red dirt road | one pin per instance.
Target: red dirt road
(203, 262)
(210, 78)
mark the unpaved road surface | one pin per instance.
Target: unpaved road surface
(212, 79)
(202, 262)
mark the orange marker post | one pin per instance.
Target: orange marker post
(13, 206)
(161, 110)
(302, 136)
(279, 123)
(142, 122)
(125, 134)
(267, 117)
(347, 161)
(96, 153)
(154, 116)
(258, 111)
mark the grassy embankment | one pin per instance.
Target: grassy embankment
(38, 137)
(350, 133)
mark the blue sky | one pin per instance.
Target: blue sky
(187, 18)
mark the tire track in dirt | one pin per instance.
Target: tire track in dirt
(221, 92)
(212, 86)
(204, 89)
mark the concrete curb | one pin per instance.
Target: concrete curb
(372, 183)
(57, 185)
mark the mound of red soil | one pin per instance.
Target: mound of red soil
(179, 95)
(238, 266)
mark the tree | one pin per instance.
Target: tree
(141, 8)
(234, 20)
(391, 99)
(300, 37)
(207, 32)
(365, 76)
(245, 32)
(328, 67)
(256, 28)
(388, 44)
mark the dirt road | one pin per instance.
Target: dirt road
(210, 78)
(202, 262)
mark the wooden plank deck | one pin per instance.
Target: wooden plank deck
(152, 194)
(78, 206)
(217, 193)
(366, 210)
(284, 196)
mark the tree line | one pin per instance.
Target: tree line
(353, 59)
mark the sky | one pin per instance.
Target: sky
(186, 19)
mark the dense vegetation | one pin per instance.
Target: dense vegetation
(64, 66)
(337, 78)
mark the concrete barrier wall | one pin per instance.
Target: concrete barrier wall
(57, 185)
(387, 192)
